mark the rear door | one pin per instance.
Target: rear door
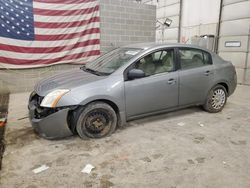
(196, 75)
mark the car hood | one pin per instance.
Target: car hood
(66, 80)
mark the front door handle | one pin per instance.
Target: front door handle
(171, 81)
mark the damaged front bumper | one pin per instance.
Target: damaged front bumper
(49, 123)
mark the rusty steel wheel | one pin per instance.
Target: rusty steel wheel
(97, 120)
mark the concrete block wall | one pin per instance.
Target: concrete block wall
(235, 26)
(126, 22)
(20, 80)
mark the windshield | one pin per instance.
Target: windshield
(111, 61)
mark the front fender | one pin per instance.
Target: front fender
(99, 97)
(83, 98)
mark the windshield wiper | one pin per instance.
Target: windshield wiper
(93, 71)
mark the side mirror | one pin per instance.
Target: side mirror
(135, 73)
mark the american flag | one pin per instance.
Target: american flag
(44, 32)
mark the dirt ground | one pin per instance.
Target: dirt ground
(187, 148)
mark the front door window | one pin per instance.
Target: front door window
(157, 62)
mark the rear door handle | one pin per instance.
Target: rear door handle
(207, 73)
(171, 81)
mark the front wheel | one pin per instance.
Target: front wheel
(216, 99)
(96, 120)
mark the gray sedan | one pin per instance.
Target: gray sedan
(128, 83)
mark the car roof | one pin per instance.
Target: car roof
(149, 45)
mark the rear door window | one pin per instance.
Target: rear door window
(192, 58)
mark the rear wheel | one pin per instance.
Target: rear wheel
(96, 120)
(216, 99)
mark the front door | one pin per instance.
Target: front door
(158, 90)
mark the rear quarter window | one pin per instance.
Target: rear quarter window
(207, 58)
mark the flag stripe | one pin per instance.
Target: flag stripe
(41, 56)
(82, 60)
(49, 6)
(66, 36)
(66, 24)
(41, 18)
(13, 48)
(48, 61)
(59, 31)
(45, 12)
(46, 44)
(64, 1)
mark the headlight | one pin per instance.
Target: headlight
(51, 99)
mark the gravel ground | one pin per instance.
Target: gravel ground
(186, 148)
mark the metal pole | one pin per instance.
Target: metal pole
(216, 48)
(246, 61)
(179, 28)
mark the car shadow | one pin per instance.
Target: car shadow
(163, 116)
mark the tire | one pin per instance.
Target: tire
(96, 120)
(216, 99)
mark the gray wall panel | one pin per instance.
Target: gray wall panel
(226, 2)
(248, 60)
(167, 9)
(237, 58)
(236, 11)
(235, 27)
(240, 75)
(247, 77)
(171, 34)
(171, 10)
(168, 2)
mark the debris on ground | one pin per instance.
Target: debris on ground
(200, 159)
(190, 161)
(201, 124)
(87, 169)
(3, 121)
(26, 117)
(198, 139)
(146, 159)
(181, 124)
(40, 169)
(105, 181)
(240, 142)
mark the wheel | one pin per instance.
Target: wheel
(96, 120)
(216, 99)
